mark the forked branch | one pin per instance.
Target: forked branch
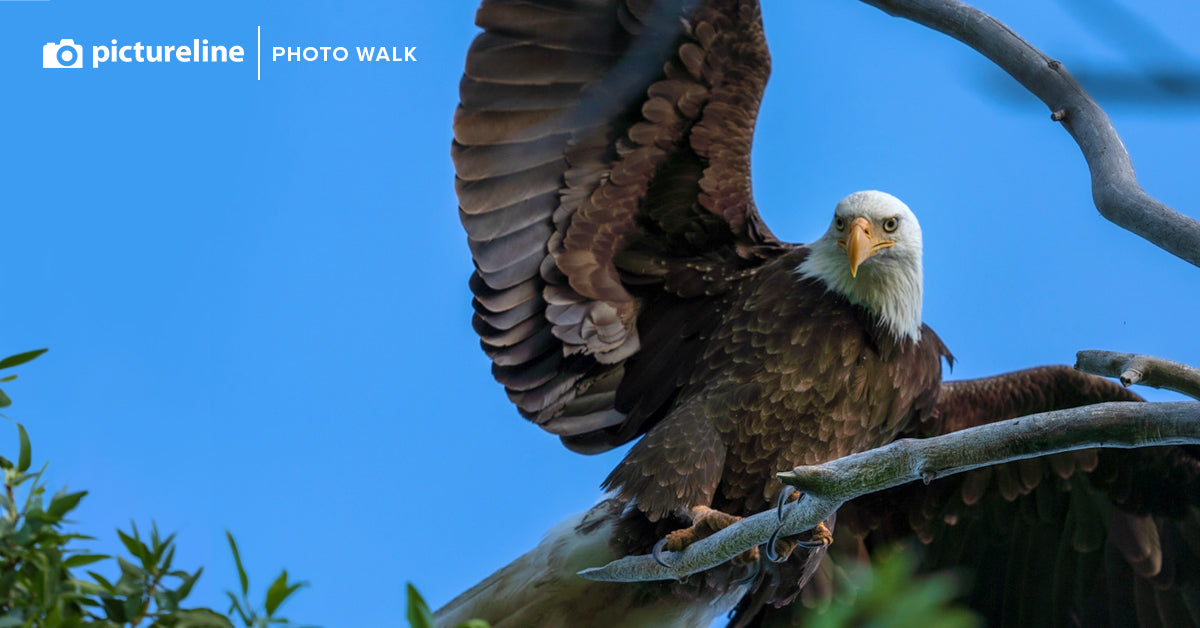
(1146, 370)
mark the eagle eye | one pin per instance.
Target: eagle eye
(839, 223)
(891, 224)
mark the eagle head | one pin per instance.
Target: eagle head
(871, 254)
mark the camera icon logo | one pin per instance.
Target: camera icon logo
(65, 54)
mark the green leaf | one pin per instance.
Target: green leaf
(276, 592)
(130, 570)
(185, 587)
(137, 548)
(5, 380)
(5, 463)
(115, 609)
(4, 400)
(62, 503)
(279, 591)
(101, 579)
(134, 606)
(25, 456)
(21, 358)
(200, 618)
(165, 565)
(162, 546)
(89, 592)
(418, 611)
(79, 560)
(237, 559)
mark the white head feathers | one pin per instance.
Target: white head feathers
(888, 281)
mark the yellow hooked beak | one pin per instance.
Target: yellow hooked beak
(860, 243)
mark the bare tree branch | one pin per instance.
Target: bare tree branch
(1115, 189)
(1146, 370)
(827, 486)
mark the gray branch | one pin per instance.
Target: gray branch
(1115, 189)
(827, 486)
(1146, 370)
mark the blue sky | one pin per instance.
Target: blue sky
(255, 292)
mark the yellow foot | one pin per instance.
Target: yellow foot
(705, 523)
(820, 536)
(780, 549)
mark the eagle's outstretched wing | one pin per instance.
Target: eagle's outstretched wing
(1091, 538)
(1107, 537)
(602, 154)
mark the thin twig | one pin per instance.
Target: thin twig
(1146, 370)
(1115, 189)
(827, 486)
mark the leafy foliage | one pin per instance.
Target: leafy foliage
(279, 591)
(40, 586)
(10, 362)
(890, 594)
(419, 615)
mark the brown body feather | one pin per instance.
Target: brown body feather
(781, 373)
(626, 287)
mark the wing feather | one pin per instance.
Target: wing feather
(602, 156)
(1092, 537)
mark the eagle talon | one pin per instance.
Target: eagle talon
(753, 571)
(770, 552)
(779, 550)
(786, 495)
(657, 552)
(821, 537)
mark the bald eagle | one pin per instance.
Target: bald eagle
(626, 287)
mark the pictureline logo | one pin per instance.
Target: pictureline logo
(67, 54)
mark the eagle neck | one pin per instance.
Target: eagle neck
(890, 288)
